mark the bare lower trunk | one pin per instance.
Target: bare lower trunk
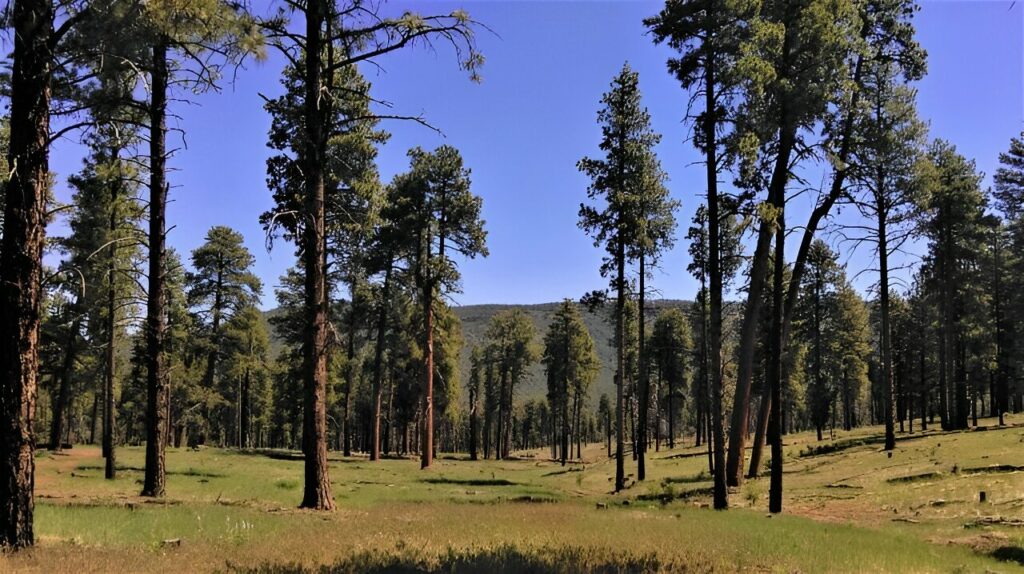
(427, 448)
(757, 449)
(58, 424)
(748, 330)
(775, 376)
(620, 310)
(645, 385)
(317, 484)
(378, 365)
(21, 265)
(156, 375)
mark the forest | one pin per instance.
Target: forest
(167, 409)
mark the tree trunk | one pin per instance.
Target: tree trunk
(776, 368)
(757, 449)
(427, 448)
(58, 424)
(317, 487)
(156, 372)
(620, 360)
(645, 383)
(110, 468)
(378, 363)
(721, 496)
(21, 264)
(748, 331)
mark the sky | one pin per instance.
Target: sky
(524, 127)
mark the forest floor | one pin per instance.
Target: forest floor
(848, 506)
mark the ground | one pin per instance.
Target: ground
(848, 507)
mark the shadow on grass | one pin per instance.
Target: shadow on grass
(564, 471)
(470, 481)
(189, 472)
(500, 560)
(699, 477)
(1009, 554)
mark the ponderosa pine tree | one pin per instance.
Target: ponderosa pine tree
(40, 30)
(103, 252)
(436, 215)
(885, 174)
(708, 34)
(245, 348)
(793, 67)
(952, 221)
(1008, 255)
(671, 347)
(221, 285)
(180, 45)
(511, 347)
(571, 364)
(656, 225)
(618, 181)
(338, 35)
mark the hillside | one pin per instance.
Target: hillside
(474, 323)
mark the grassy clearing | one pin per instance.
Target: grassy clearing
(850, 507)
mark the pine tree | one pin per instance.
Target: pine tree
(571, 364)
(337, 36)
(436, 216)
(221, 285)
(511, 350)
(885, 173)
(671, 348)
(708, 34)
(619, 181)
(952, 220)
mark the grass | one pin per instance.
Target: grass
(849, 508)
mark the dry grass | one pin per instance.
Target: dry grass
(852, 509)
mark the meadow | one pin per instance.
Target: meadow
(849, 507)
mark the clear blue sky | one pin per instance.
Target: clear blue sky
(522, 130)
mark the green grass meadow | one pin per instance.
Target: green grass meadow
(849, 507)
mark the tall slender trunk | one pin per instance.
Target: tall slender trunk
(317, 484)
(427, 448)
(748, 329)
(721, 495)
(350, 372)
(378, 362)
(565, 393)
(777, 357)
(645, 383)
(473, 424)
(886, 334)
(620, 366)
(21, 264)
(156, 367)
(757, 449)
(58, 424)
(110, 468)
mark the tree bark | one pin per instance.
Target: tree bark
(378, 362)
(156, 369)
(620, 354)
(110, 468)
(21, 264)
(317, 487)
(777, 358)
(645, 384)
(721, 496)
(58, 424)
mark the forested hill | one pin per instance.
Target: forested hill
(474, 323)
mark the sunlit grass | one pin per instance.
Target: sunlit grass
(852, 509)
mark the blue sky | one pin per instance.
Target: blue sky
(523, 128)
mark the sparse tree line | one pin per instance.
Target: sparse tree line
(128, 342)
